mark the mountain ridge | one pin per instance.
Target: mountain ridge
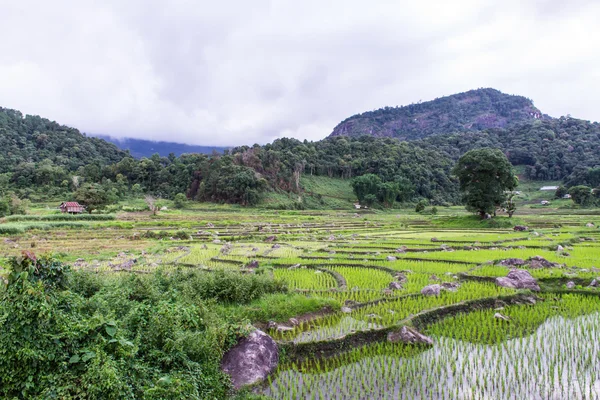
(470, 111)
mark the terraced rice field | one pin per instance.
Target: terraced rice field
(375, 267)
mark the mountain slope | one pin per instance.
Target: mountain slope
(32, 139)
(146, 148)
(470, 111)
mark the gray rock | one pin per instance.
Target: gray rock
(294, 322)
(511, 262)
(594, 283)
(391, 258)
(251, 360)
(252, 264)
(520, 228)
(501, 317)
(395, 286)
(589, 225)
(541, 262)
(570, 285)
(518, 279)
(401, 249)
(451, 286)
(346, 310)
(410, 335)
(431, 290)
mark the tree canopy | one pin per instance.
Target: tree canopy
(485, 175)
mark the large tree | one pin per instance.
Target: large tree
(485, 177)
(92, 196)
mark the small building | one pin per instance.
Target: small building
(357, 206)
(71, 207)
(547, 188)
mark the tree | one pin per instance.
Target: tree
(180, 200)
(387, 193)
(365, 185)
(485, 175)
(421, 205)
(151, 202)
(510, 205)
(92, 196)
(581, 195)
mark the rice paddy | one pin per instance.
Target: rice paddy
(372, 269)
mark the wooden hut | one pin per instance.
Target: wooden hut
(71, 207)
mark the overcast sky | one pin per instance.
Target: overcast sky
(244, 72)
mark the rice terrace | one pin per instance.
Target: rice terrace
(369, 304)
(300, 200)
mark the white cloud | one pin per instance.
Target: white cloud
(237, 72)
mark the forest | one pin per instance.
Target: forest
(41, 159)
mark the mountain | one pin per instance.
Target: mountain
(145, 148)
(31, 139)
(470, 111)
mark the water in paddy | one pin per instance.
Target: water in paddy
(559, 361)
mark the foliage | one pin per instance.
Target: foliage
(74, 335)
(485, 175)
(581, 195)
(93, 196)
(179, 201)
(421, 205)
(560, 192)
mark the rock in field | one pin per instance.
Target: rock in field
(520, 228)
(518, 279)
(431, 290)
(251, 360)
(391, 258)
(511, 262)
(570, 285)
(541, 262)
(395, 286)
(501, 317)
(346, 310)
(252, 264)
(407, 334)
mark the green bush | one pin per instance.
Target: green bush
(79, 335)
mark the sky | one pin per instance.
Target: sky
(245, 72)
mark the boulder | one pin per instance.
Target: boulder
(595, 283)
(209, 225)
(252, 264)
(589, 225)
(518, 279)
(520, 228)
(409, 335)
(541, 262)
(401, 249)
(275, 246)
(511, 262)
(400, 277)
(391, 258)
(570, 285)
(346, 310)
(395, 286)
(431, 290)
(251, 360)
(270, 239)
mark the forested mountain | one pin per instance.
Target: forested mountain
(470, 111)
(31, 139)
(145, 148)
(553, 149)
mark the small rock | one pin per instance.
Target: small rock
(252, 264)
(270, 239)
(570, 285)
(501, 317)
(346, 310)
(391, 258)
(511, 262)
(275, 246)
(434, 239)
(410, 335)
(395, 286)
(431, 290)
(589, 225)
(520, 228)
(294, 322)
